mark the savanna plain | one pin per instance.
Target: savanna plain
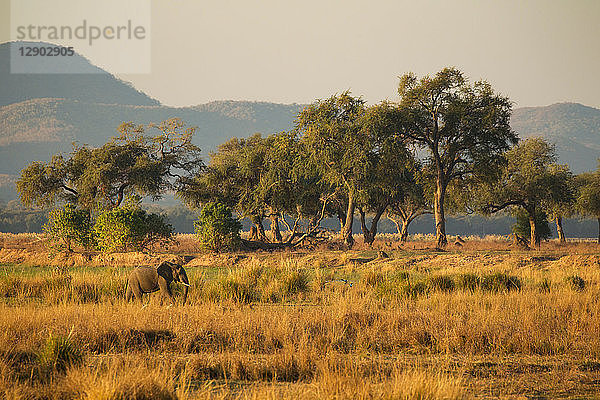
(480, 320)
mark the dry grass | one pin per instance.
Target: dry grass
(324, 324)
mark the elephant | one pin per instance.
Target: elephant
(151, 279)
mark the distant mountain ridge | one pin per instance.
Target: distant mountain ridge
(98, 87)
(41, 115)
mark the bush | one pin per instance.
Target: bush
(415, 289)
(522, 228)
(373, 278)
(294, 282)
(216, 229)
(69, 226)
(130, 228)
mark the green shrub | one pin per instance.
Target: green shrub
(68, 226)
(216, 229)
(58, 353)
(499, 282)
(468, 281)
(576, 282)
(522, 228)
(443, 283)
(130, 228)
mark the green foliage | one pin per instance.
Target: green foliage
(59, 353)
(216, 229)
(588, 193)
(531, 180)
(129, 228)
(523, 228)
(465, 128)
(68, 226)
(132, 163)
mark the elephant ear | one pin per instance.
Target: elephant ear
(165, 270)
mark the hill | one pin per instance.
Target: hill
(98, 86)
(574, 128)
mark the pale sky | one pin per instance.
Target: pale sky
(537, 52)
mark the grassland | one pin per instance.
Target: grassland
(476, 321)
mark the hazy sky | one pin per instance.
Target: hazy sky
(536, 52)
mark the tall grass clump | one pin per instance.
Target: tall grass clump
(469, 281)
(576, 282)
(500, 282)
(59, 353)
(441, 283)
(259, 282)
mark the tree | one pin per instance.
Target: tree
(388, 166)
(98, 178)
(413, 203)
(564, 206)
(216, 228)
(588, 195)
(530, 179)
(333, 136)
(67, 226)
(233, 178)
(465, 129)
(291, 186)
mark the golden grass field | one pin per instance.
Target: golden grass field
(478, 321)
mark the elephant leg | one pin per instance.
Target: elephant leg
(129, 294)
(137, 291)
(165, 291)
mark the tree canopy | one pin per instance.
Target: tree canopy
(530, 179)
(132, 163)
(465, 129)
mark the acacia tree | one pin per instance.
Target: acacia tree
(564, 206)
(336, 143)
(290, 186)
(465, 128)
(530, 179)
(588, 195)
(388, 164)
(102, 177)
(232, 177)
(413, 203)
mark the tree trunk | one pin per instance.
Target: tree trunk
(260, 229)
(347, 229)
(369, 234)
(534, 240)
(559, 229)
(404, 231)
(275, 232)
(438, 209)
